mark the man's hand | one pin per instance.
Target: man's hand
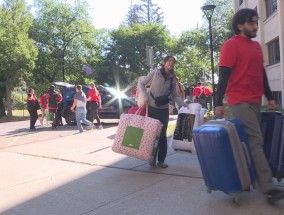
(271, 105)
(220, 111)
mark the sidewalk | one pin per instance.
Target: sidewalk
(79, 174)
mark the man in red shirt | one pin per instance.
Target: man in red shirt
(243, 80)
(198, 94)
(197, 91)
(208, 97)
(52, 99)
(95, 103)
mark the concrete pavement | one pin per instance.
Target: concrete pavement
(76, 174)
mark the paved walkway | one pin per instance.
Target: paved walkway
(76, 174)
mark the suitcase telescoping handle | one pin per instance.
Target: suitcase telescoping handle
(249, 162)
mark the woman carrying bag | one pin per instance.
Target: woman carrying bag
(161, 91)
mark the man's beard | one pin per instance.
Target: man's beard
(249, 34)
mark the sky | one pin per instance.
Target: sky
(179, 15)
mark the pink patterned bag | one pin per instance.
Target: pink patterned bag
(137, 136)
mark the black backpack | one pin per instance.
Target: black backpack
(53, 98)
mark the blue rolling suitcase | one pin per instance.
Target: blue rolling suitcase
(224, 157)
(273, 135)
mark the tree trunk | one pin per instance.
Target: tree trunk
(2, 107)
(8, 101)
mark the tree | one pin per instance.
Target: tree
(145, 13)
(127, 50)
(193, 46)
(66, 40)
(17, 50)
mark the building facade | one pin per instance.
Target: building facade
(271, 38)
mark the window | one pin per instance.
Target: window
(274, 52)
(271, 7)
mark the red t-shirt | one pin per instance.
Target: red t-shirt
(207, 91)
(94, 95)
(59, 97)
(197, 91)
(43, 102)
(244, 57)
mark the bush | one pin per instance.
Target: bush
(17, 100)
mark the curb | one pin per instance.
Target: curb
(13, 120)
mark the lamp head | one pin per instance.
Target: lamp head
(208, 10)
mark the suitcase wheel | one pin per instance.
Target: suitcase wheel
(235, 197)
(208, 190)
(235, 200)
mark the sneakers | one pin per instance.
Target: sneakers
(153, 163)
(162, 165)
(90, 127)
(274, 195)
(100, 127)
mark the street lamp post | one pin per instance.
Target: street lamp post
(208, 12)
(63, 52)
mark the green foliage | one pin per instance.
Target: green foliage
(127, 50)
(61, 38)
(17, 50)
(19, 100)
(193, 50)
(66, 40)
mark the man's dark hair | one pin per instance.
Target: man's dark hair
(242, 16)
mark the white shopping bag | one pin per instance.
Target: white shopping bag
(185, 144)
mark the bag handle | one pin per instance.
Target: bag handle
(140, 110)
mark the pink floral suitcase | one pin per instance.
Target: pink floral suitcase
(137, 136)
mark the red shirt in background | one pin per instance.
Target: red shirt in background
(207, 91)
(95, 95)
(197, 91)
(43, 102)
(59, 97)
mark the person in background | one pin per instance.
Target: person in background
(180, 91)
(32, 108)
(43, 104)
(243, 79)
(163, 83)
(198, 94)
(95, 103)
(80, 101)
(52, 98)
(208, 97)
(59, 110)
(188, 93)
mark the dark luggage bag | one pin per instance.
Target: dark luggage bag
(273, 135)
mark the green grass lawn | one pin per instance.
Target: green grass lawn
(171, 129)
(18, 115)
